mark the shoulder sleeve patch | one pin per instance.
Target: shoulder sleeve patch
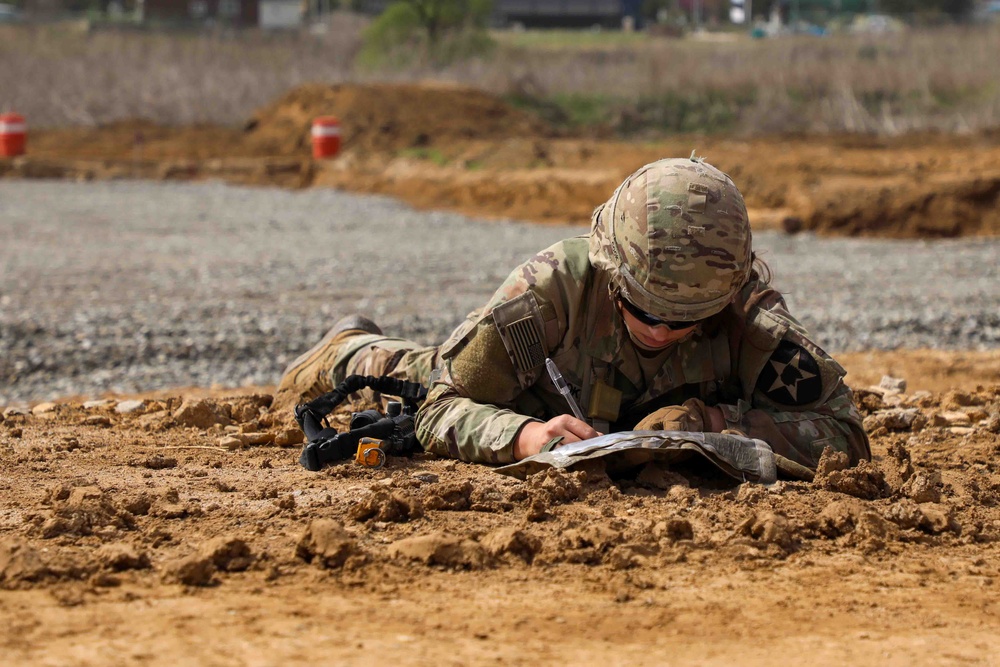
(791, 376)
(524, 344)
(522, 329)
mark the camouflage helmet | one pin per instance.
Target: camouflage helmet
(675, 239)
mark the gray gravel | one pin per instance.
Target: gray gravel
(133, 286)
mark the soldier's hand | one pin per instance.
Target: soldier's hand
(534, 435)
(692, 415)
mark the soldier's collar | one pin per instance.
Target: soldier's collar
(606, 333)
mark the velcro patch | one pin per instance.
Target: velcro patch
(526, 348)
(521, 326)
(697, 198)
(791, 376)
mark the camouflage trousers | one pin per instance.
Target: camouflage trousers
(371, 354)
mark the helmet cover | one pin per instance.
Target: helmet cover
(675, 239)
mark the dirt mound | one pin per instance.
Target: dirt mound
(450, 147)
(387, 117)
(138, 141)
(957, 205)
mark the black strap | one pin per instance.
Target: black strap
(311, 416)
(326, 445)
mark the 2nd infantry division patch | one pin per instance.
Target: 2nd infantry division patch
(791, 376)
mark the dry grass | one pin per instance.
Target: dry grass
(946, 79)
(64, 75)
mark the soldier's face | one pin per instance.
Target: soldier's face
(653, 337)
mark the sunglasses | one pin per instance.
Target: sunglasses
(650, 320)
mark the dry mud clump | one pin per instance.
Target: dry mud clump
(149, 489)
(97, 524)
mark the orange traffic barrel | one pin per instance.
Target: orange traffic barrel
(13, 134)
(325, 137)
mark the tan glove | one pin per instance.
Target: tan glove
(689, 416)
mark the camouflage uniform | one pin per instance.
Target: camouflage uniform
(751, 358)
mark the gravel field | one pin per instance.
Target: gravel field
(135, 286)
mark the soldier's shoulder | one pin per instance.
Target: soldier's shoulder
(554, 274)
(780, 359)
(576, 257)
(760, 294)
(570, 255)
(566, 258)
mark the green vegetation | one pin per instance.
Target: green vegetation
(570, 110)
(709, 111)
(441, 31)
(428, 154)
(581, 109)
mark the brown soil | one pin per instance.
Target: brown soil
(181, 532)
(923, 370)
(439, 146)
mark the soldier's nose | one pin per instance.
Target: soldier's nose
(659, 334)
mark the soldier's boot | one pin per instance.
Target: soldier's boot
(309, 376)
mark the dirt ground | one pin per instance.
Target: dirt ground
(181, 529)
(438, 146)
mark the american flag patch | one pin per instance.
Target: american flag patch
(526, 346)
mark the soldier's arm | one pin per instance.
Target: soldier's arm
(468, 412)
(481, 403)
(801, 435)
(799, 403)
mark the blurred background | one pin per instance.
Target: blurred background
(630, 67)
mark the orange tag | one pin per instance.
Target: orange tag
(370, 453)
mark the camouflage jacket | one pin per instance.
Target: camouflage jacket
(753, 361)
